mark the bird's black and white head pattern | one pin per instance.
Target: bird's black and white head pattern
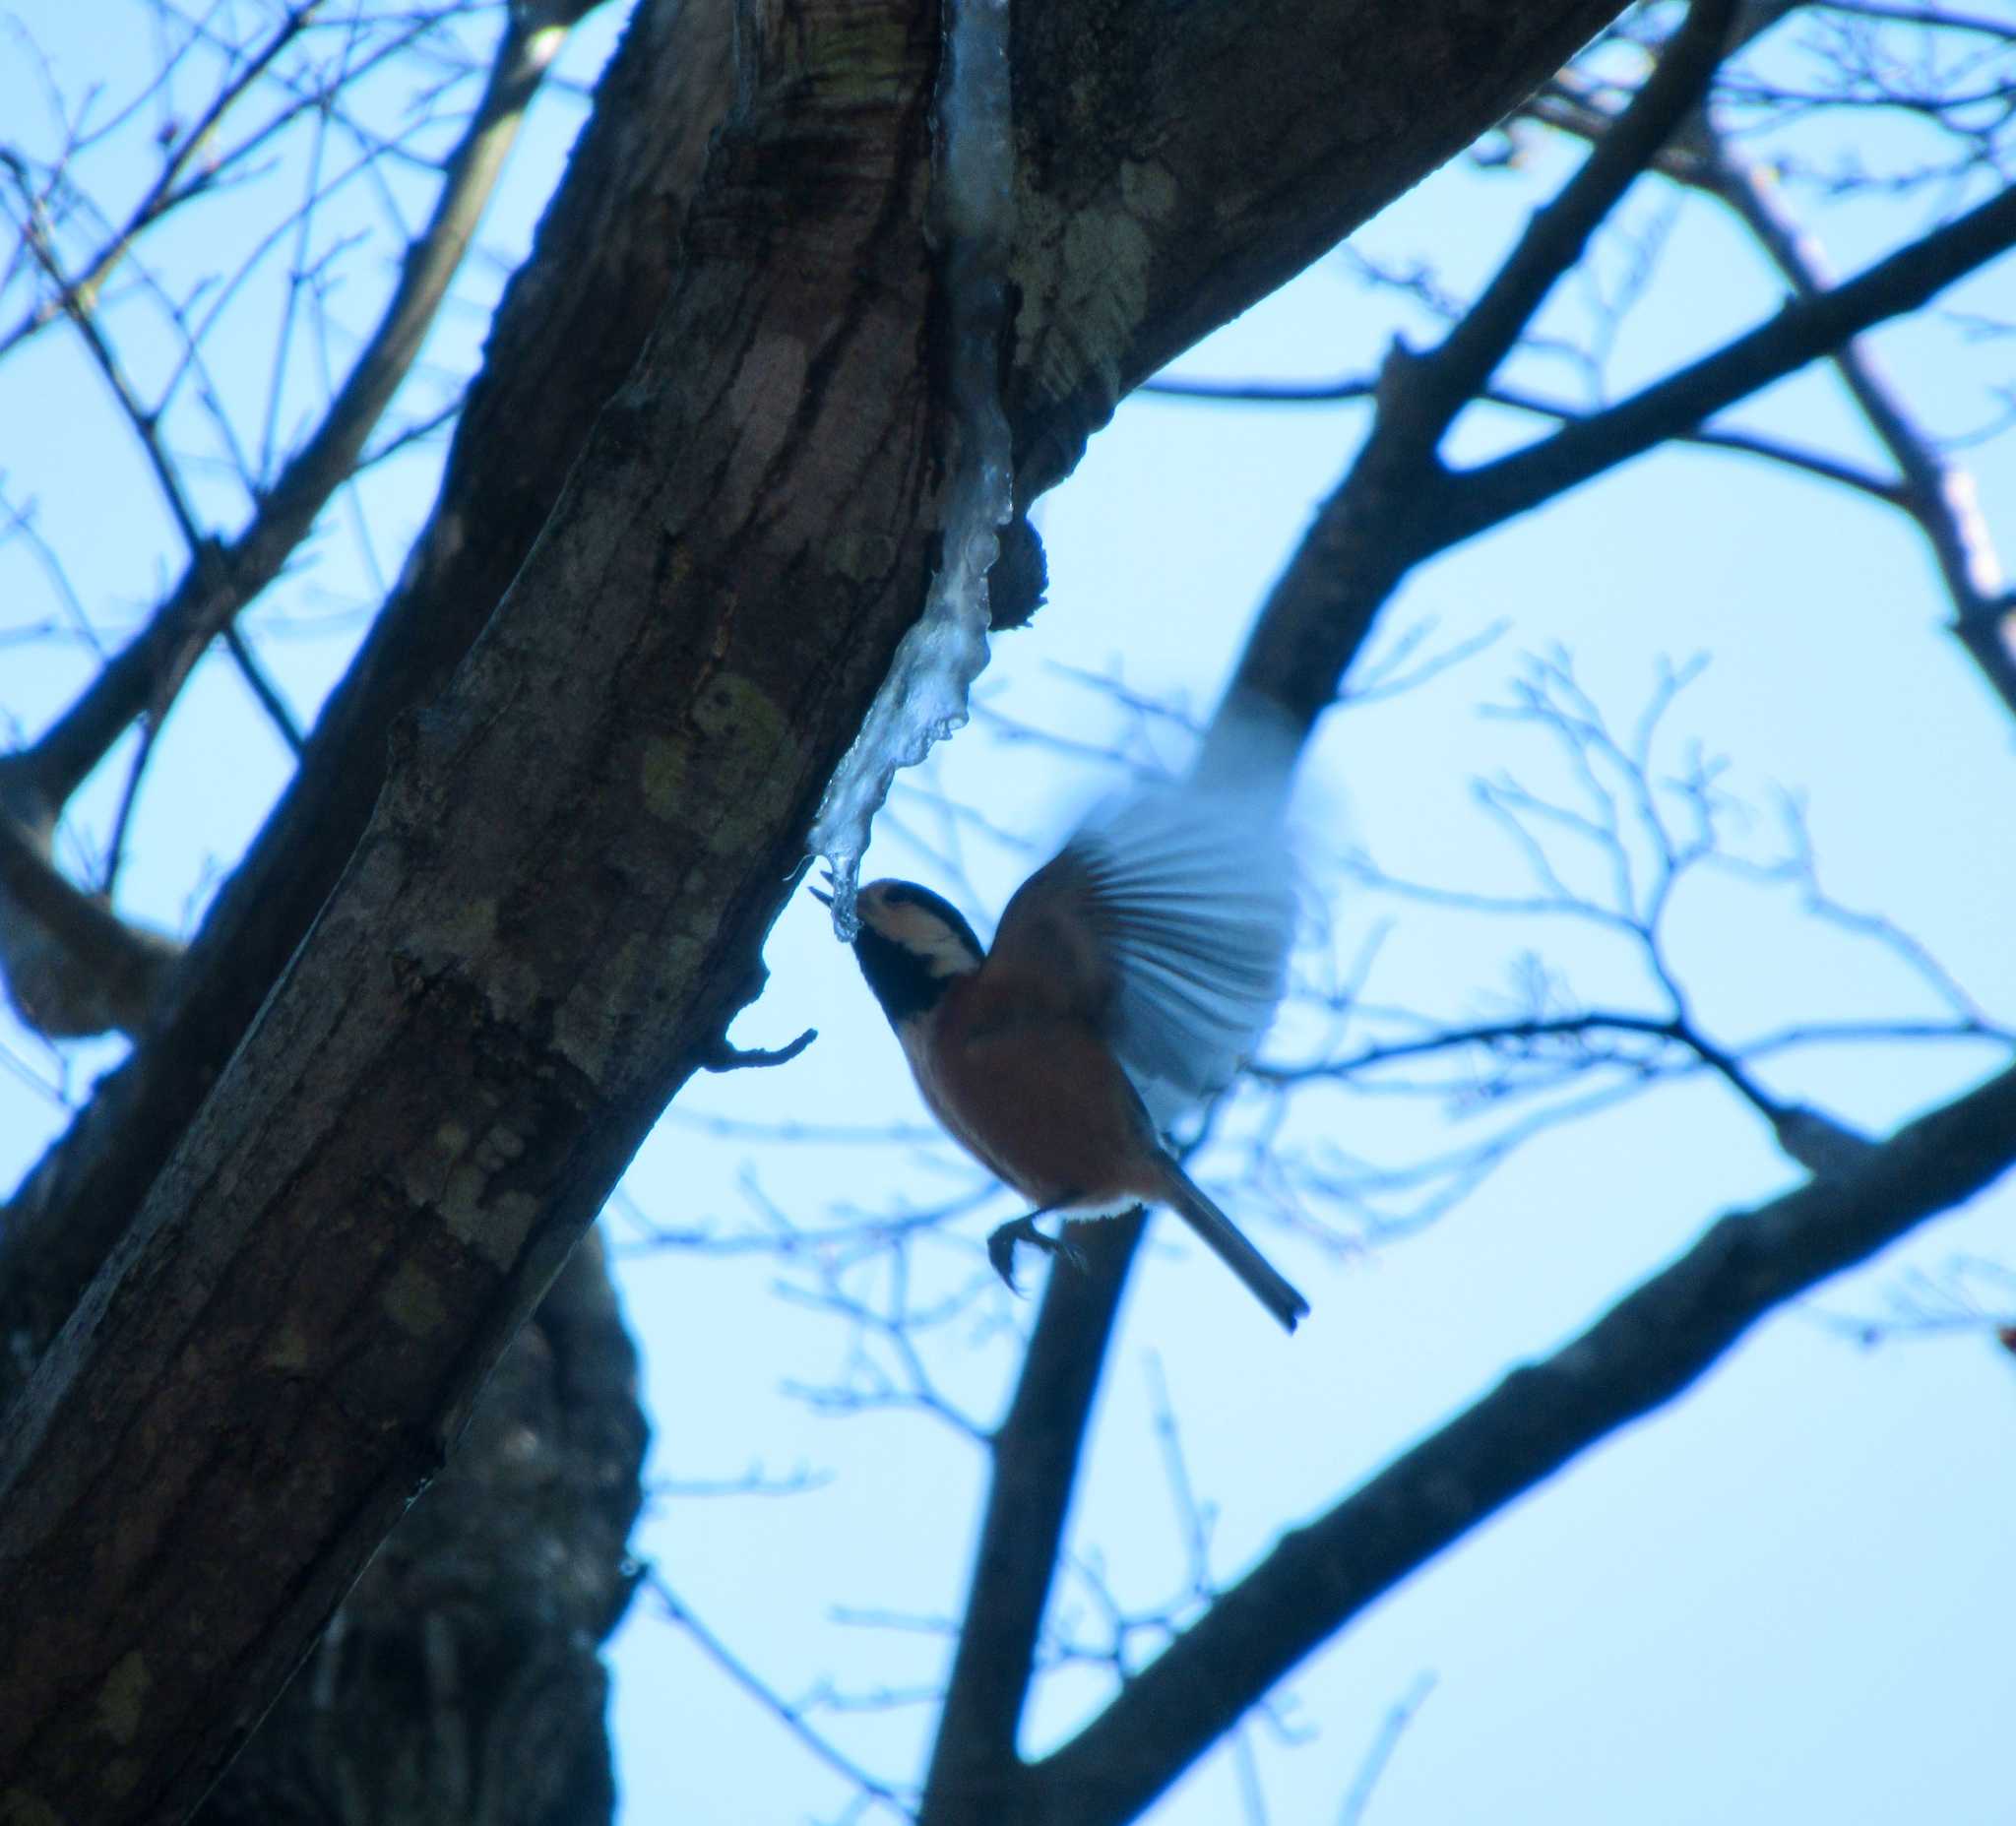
(912, 945)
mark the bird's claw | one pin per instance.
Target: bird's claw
(1001, 1247)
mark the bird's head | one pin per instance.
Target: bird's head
(912, 945)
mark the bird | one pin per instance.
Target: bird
(1129, 977)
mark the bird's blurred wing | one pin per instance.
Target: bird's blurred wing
(1168, 914)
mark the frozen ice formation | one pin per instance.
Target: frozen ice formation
(925, 696)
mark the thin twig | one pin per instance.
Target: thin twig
(1358, 1796)
(789, 1716)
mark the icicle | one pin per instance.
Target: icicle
(925, 696)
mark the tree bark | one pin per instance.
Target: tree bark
(569, 328)
(548, 923)
(460, 1680)
(1176, 163)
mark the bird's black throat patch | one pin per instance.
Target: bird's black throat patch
(902, 980)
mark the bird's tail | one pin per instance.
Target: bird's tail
(1182, 1196)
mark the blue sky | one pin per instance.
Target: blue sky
(1787, 1595)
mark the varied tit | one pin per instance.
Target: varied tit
(1129, 977)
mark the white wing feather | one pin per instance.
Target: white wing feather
(1192, 890)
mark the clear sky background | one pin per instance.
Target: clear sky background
(1788, 1595)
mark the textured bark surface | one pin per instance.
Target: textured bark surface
(549, 919)
(558, 901)
(460, 1680)
(1178, 163)
(465, 1686)
(570, 327)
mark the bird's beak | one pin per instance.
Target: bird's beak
(824, 898)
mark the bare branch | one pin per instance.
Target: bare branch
(1938, 494)
(1358, 1796)
(1645, 1351)
(1557, 234)
(72, 966)
(739, 1058)
(975, 1773)
(1330, 393)
(1394, 507)
(1937, 16)
(223, 578)
(791, 1716)
(79, 292)
(1802, 332)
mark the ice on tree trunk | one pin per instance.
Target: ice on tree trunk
(925, 696)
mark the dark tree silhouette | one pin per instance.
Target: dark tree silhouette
(518, 882)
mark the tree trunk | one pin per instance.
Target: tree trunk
(460, 1681)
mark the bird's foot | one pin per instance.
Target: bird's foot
(1001, 1247)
